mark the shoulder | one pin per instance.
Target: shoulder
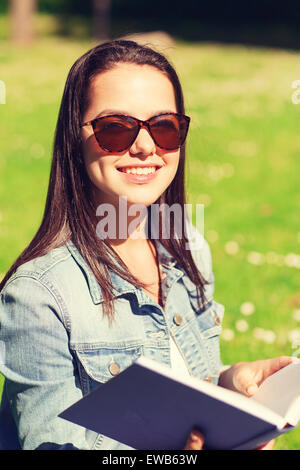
(49, 279)
(38, 268)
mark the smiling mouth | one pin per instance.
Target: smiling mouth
(139, 170)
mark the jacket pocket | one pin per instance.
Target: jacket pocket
(209, 323)
(210, 319)
(97, 363)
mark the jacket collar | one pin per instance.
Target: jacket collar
(120, 285)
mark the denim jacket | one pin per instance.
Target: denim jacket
(57, 346)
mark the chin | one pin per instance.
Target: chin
(141, 200)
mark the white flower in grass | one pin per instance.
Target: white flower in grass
(291, 260)
(227, 334)
(242, 325)
(212, 236)
(256, 258)
(232, 247)
(269, 336)
(296, 314)
(247, 308)
(294, 335)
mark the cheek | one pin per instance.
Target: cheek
(102, 174)
(92, 164)
(91, 150)
(94, 159)
(170, 171)
(173, 162)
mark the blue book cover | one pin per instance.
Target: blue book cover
(147, 407)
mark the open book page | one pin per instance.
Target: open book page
(230, 397)
(281, 392)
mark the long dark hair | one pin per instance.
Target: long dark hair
(69, 212)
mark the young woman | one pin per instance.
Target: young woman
(77, 306)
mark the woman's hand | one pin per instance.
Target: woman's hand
(246, 377)
(268, 446)
(243, 377)
(195, 441)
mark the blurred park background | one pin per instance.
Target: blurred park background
(238, 63)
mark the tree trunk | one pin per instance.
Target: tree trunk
(22, 14)
(101, 19)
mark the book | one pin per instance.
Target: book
(147, 407)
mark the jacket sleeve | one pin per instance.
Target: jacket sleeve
(40, 372)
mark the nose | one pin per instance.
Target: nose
(143, 144)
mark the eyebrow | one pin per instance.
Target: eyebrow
(107, 112)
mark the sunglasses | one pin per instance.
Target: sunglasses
(117, 132)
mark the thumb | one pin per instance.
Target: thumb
(245, 383)
(195, 441)
(251, 389)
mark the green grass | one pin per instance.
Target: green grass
(243, 164)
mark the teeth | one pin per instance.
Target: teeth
(139, 171)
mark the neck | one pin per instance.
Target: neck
(120, 227)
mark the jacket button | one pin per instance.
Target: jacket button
(177, 319)
(217, 319)
(208, 379)
(114, 368)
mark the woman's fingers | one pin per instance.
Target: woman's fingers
(195, 441)
(246, 377)
(268, 446)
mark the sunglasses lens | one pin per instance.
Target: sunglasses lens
(169, 130)
(115, 133)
